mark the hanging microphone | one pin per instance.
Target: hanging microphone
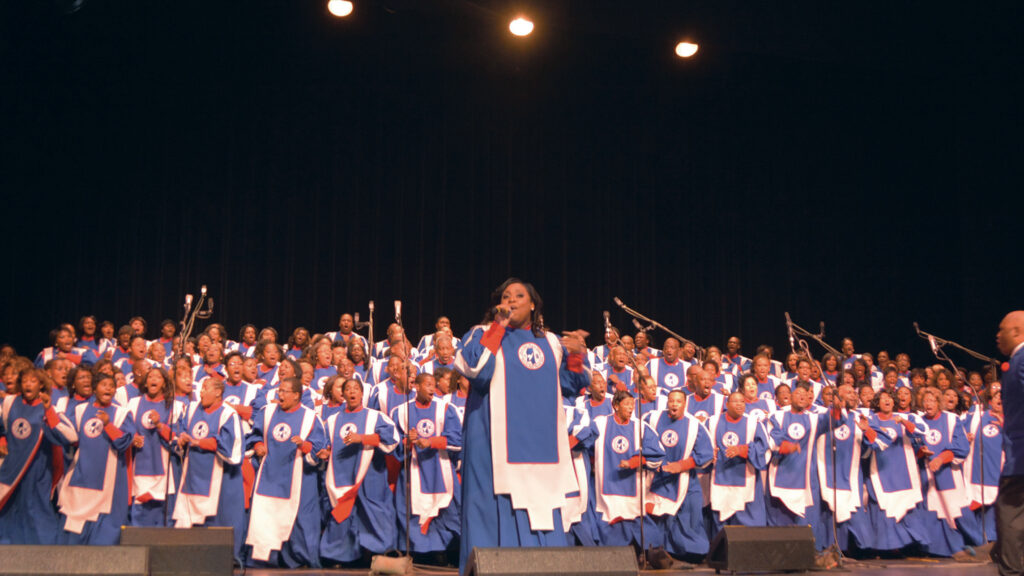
(789, 329)
(188, 303)
(917, 329)
(607, 323)
(933, 344)
(356, 318)
(398, 311)
(371, 307)
(618, 302)
(202, 290)
(821, 326)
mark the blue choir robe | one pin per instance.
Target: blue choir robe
(78, 356)
(677, 498)
(792, 478)
(737, 487)
(595, 409)
(766, 389)
(645, 407)
(600, 354)
(431, 366)
(204, 371)
(761, 409)
(362, 510)
(618, 490)
(517, 467)
(988, 438)
(119, 353)
(284, 523)
(126, 366)
(211, 491)
(844, 497)
(94, 495)
(625, 376)
(339, 337)
(320, 376)
(702, 409)
(737, 364)
(945, 496)
(91, 343)
(431, 479)
(669, 377)
(126, 393)
(151, 485)
(894, 485)
(266, 377)
(65, 404)
(724, 384)
(577, 515)
(35, 438)
(384, 398)
(457, 400)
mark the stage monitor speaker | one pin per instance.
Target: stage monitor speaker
(184, 551)
(74, 560)
(762, 549)
(575, 561)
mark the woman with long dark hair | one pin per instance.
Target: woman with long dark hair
(517, 466)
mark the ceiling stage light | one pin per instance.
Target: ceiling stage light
(520, 26)
(686, 49)
(340, 8)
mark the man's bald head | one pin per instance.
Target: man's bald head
(1011, 332)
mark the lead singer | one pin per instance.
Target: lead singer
(517, 467)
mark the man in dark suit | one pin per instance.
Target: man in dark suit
(1008, 552)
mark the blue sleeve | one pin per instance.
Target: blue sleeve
(757, 450)
(89, 358)
(573, 383)
(127, 434)
(703, 452)
(226, 436)
(57, 435)
(452, 428)
(475, 361)
(374, 401)
(653, 451)
(256, 435)
(775, 432)
(959, 446)
(318, 438)
(385, 428)
(39, 360)
(260, 401)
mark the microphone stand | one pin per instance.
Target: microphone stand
(188, 322)
(410, 449)
(936, 345)
(655, 324)
(795, 341)
(640, 468)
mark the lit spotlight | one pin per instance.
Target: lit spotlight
(339, 8)
(520, 26)
(686, 49)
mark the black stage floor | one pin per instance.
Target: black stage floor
(902, 567)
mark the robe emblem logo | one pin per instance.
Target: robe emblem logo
(730, 439)
(671, 380)
(282, 432)
(21, 428)
(891, 432)
(620, 444)
(933, 437)
(531, 356)
(990, 430)
(346, 429)
(796, 431)
(93, 428)
(701, 415)
(766, 395)
(843, 432)
(669, 438)
(425, 428)
(233, 400)
(147, 419)
(200, 430)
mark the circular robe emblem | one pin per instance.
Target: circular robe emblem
(531, 356)
(843, 432)
(282, 432)
(233, 399)
(21, 429)
(620, 444)
(766, 395)
(671, 381)
(425, 428)
(147, 419)
(991, 430)
(730, 439)
(669, 438)
(796, 431)
(933, 437)
(93, 427)
(200, 430)
(346, 429)
(891, 432)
